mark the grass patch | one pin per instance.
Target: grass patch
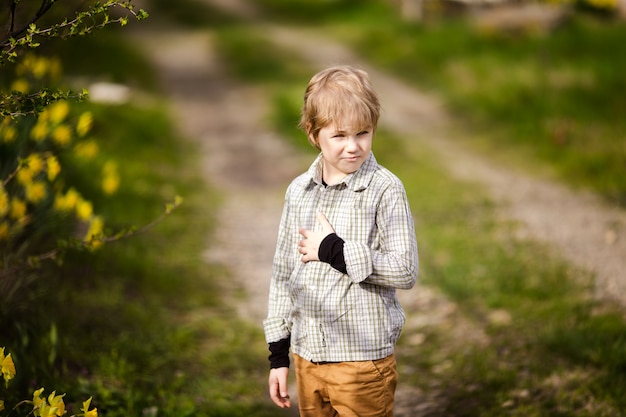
(544, 359)
(190, 13)
(547, 101)
(140, 324)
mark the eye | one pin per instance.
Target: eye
(363, 133)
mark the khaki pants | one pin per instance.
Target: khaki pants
(346, 389)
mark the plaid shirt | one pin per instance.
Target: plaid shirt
(336, 317)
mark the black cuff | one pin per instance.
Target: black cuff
(331, 252)
(279, 356)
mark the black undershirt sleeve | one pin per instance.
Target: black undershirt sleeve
(279, 353)
(331, 252)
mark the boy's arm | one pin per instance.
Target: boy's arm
(331, 252)
(279, 353)
(279, 306)
(395, 262)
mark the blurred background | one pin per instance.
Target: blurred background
(137, 223)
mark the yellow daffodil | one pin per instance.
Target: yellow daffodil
(4, 231)
(7, 366)
(87, 412)
(34, 163)
(24, 176)
(68, 201)
(62, 135)
(4, 201)
(40, 131)
(37, 400)
(87, 149)
(18, 209)
(9, 133)
(54, 68)
(46, 410)
(52, 163)
(20, 85)
(56, 402)
(35, 191)
(84, 124)
(96, 227)
(84, 209)
(111, 179)
(58, 111)
(1, 405)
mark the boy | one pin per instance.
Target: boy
(346, 242)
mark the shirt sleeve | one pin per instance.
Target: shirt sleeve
(279, 354)
(331, 252)
(276, 325)
(393, 262)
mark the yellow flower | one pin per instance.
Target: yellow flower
(35, 163)
(40, 131)
(85, 409)
(87, 149)
(68, 201)
(7, 366)
(9, 133)
(4, 231)
(20, 85)
(4, 201)
(56, 402)
(54, 68)
(35, 191)
(94, 234)
(1, 405)
(62, 135)
(39, 67)
(37, 400)
(46, 410)
(53, 167)
(84, 209)
(84, 124)
(110, 180)
(24, 176)
(58, 111)
(18, 209)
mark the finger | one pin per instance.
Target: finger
(323, 221)
(283, 390)
(304, 232)
(277, 397)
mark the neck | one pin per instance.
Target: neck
(331, 178)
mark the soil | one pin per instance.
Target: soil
(251, 166)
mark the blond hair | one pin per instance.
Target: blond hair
(336, 94)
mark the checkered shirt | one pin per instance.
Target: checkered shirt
(336, 317)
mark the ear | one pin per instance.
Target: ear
(312, 138)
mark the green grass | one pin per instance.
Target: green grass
(141, 324)
(549, 102)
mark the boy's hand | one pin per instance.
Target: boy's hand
(310, 245)
(278, 387)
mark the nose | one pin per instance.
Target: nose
(351, 144)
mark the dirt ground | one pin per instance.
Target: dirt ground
(251, 166)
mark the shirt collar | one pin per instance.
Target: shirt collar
(357, 181)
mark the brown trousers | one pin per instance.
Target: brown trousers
(346, 389)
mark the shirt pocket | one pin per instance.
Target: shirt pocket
(357, 224)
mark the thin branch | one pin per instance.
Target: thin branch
(43, 9)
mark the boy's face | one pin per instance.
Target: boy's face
(344, 149)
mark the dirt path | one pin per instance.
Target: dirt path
(239, 158)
